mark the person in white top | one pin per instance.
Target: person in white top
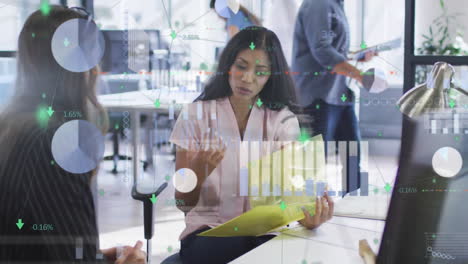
(247, 99)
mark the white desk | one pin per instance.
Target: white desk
(336, 241)
(144, 101)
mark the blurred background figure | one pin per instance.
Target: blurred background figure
(320, 54)
(236, 21)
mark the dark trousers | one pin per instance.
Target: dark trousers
(337, 123)
(213, 250)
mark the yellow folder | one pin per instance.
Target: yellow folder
(283, 168)
(261, 220)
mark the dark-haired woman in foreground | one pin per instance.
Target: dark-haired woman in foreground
(248, 99)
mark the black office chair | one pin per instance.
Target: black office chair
(117, 132)
(116, 120)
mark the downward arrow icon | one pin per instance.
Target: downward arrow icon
(50, 111)
(20, 224)
(153, 199)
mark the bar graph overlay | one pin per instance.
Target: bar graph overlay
(452, 122)
(293, 168)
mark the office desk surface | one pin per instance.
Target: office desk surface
(336, 241)
(145, 100)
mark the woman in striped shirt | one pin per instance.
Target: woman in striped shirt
(33, 188)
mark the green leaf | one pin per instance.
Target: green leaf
(442, 3)
(441, 41)
(440, 30)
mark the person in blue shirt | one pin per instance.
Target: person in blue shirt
(238, 21)
(320, 49)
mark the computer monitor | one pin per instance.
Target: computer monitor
(137, 44)
(427, 221)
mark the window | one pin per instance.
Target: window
(197, 28)
(439, 27)
(384, 21)
(13, 14)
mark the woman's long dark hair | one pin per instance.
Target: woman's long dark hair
(278, 92)
(42, 82)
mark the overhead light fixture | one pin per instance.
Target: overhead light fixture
(437, 95)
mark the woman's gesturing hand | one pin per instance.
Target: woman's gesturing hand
(211, 150)
(324, 207)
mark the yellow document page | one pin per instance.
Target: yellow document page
(261, 220)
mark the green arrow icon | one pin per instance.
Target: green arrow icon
(343, 98)
(153, 198)
(388, 187)
(303, 136)
(20, 224)
(363, 45)
(66, 42)
(259, 102)
(452, 103)
(252, 46)
(157, 103)
(45, 8)
(173, 34)
(50, 112)
(283, 205)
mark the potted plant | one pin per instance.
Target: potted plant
(439, 40)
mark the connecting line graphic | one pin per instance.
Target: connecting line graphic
(5, 5)
(189, 24)
(215, 41)
(115, 4)
(320, 241)
(376, 233)
(189, 48)
(384, 60)
(50, 110)
(381, 175)
(167, 16)
(174, 36)
(388, 193)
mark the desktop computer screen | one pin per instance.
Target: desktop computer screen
(427, 220)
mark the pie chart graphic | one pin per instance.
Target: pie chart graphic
(78, 45)
(447, 162)
(185, 180)
(78, 146)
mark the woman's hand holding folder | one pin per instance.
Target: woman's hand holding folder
(323, 212)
